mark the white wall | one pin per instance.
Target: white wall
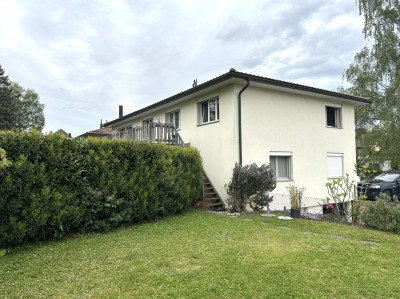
(279, 121)
(215, 141)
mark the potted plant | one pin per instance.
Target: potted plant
(296, 196)
(327, 209)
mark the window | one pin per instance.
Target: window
(173, 118)
(281, 163)
(209, 111)
(147, 124)
(335, 165)
(124, 133)
(333, 117)
(121, 133)
(129, 133)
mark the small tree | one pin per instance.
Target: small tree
(367, 172)
(251, 185)
(20, 108)
(341, 192)
(30, 112)
(8, 103)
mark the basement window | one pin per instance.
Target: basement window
(281, 163)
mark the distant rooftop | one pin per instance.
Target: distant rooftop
(61, 131)
(103, 132)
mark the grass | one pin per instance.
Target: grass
(203, 255)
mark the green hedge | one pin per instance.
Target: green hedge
(55, 184)
(382, 214)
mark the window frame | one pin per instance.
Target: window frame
(146, 128)
(329, 163)
(201, 111)
(173, 112)
(337, 116)
(121, 133)
(289, 164)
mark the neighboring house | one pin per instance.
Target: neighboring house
(99, 133)
(61, 131)
(306, 134)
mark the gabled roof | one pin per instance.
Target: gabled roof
(233, 74)
(103, 132)
(61, 131)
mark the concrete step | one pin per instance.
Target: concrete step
(212, 198)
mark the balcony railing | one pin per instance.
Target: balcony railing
(154, 132)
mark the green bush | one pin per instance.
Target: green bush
(56, 184)
(383, 214)
(251, 185)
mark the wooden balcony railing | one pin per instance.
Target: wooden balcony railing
(154, 132)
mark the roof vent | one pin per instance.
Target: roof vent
(232, 70)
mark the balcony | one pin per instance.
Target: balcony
(154, 132)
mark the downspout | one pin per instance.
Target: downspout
(240, 120)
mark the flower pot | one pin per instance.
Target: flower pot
(327, 209)
(295, 213)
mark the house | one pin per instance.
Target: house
(306, 134)
(98, 133)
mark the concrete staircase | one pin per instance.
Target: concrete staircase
(211, 196)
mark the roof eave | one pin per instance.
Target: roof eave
(175, 97)
(239, 75)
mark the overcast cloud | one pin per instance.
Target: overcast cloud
(84, 58)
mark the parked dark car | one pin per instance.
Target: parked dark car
(387, 182)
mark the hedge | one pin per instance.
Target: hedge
(56, 185)
(382, 214)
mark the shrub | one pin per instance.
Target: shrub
(383, 214)
(260, 201)
(57, 184)
(358, 205)
(250, 184)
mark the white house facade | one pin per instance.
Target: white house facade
(306, 134)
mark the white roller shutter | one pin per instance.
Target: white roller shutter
(335, 165)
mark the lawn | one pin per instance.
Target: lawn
(204, 255)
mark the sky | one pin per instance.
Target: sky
(85, 58)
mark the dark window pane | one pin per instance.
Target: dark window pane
(331, 117)
(217, 109)
(177, 119)
(204, 112)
